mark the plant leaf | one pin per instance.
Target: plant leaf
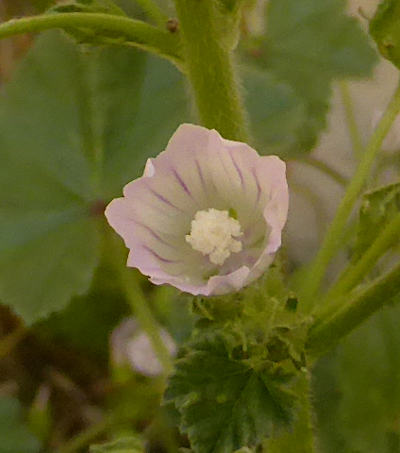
(368, 364)
(307, 45)
(14, 434)
(226, 404)
(124, 445)
(73, 130)
(385, 29)
(377, 209)
(276, 112)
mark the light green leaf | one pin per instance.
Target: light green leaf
(15, 436)
(377, 209)
(224, 402)
(124, 445)
(385, 29)
(307, 45)
(74, 128)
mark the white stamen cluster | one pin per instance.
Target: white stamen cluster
(212, 233)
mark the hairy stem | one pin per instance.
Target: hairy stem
(132, 32)
(210, 70)
(354, 309)
(334, 235)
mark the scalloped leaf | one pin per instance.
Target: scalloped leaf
(225, 403)
(307, 45)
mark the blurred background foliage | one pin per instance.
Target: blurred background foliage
(78, 122)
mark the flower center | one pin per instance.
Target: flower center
(213, 233)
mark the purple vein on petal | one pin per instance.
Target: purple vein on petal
(253, 170)
(163, 199)
(153, 233)
(182, 183)
(164, 260)
(200, 172)
(237, 169)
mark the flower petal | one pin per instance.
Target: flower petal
(200, 170)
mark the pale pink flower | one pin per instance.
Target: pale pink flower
(130, 345)
(206, 216)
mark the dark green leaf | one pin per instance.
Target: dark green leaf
(124, 445)
(74, 128)
(225, 403)
(377, 209)
(15, 436)
(307, 45)
(385, 29)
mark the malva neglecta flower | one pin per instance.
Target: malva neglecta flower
(130, 345)
(206, 216)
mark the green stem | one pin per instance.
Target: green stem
(141, 309)
(326, 169)
(354, 273)
(134, 32)
(210, 70)
(354, 309)
(334, 235)
(351, 120)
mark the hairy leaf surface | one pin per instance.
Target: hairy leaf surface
(225, 403)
